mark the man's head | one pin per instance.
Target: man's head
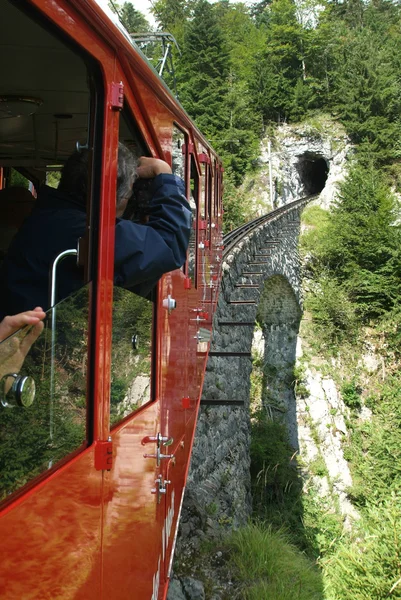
(74, 178)
(126, 175)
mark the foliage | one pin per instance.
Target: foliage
(276, 482)
(332, 312)
(203, 71)
(354, 256)
(270, 567)
(132, 19)
(370, 566)
(351, 394)
(18, 180)
(314, 216)
(237, 209)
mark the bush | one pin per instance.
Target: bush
(332, 311)
(351, 395)
(273, 473)
(368, 568)
(271, 568)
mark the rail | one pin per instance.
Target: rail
(231, 239)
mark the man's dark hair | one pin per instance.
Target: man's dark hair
(74, 177)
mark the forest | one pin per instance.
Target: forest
(242, 70)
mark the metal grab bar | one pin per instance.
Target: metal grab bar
(53, 283)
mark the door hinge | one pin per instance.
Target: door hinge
(103, 455)
(116, 95)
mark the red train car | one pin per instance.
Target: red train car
(93, 471)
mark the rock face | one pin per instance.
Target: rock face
(305, 159)
(321, 417)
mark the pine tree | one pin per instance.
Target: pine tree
(132, 19)
(362, 242)
(279, 66)
(203, 71)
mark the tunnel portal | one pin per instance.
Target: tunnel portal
(313, 170)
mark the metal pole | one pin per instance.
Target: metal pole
(56, 261)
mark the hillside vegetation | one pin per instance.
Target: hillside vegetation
(245, 68)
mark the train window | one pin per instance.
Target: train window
(44, 112)
(131, 354)
(193, 202)
(203, 192)
(178, 157)
(131, 363)
(210, 192)
(43, 392)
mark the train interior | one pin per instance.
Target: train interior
(44, 112)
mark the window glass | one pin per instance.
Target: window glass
(45, 122)
(178, 158)
(131, 353)
(193, 201)
(203, 204)
(51, 361)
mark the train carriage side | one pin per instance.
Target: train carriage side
(93, 471)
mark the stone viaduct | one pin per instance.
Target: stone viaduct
(261, 282)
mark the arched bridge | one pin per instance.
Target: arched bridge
(261, 282)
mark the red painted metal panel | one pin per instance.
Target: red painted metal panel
(133, 519)
(51, 537)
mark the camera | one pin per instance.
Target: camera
(138, 205)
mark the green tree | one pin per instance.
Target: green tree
(132, 19)
(362, 241)
(279, 67)
(203, 71)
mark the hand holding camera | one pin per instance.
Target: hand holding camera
(151, 167)
(148, 168)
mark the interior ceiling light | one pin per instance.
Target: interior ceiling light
(18, 106)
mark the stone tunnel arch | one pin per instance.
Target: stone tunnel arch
(279, 315)
(313, 170)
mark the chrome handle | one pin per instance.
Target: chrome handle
(158, 456)
(160, 488)
(159, 439)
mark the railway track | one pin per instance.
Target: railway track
(231, 239)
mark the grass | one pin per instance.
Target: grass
(271, 568)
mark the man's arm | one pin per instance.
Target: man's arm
(144, 252)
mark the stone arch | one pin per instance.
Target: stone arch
(279, 315)
(278, 303)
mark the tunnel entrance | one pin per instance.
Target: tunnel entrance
(313, 170)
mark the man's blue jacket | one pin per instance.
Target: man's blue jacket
(142, 252)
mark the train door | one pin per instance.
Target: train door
(133, 515)
(51, 508)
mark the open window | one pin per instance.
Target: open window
(193, 240)
(132, 361)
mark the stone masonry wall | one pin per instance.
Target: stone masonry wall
(218, 488)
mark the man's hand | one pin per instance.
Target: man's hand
(151, 167)
(10, 325)
(14, 350)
